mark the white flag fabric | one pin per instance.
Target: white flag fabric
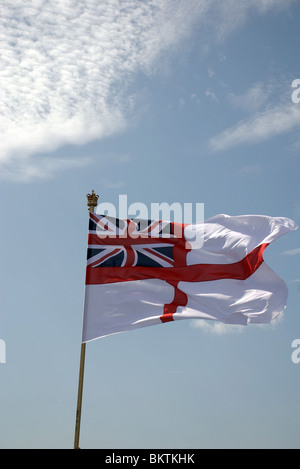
(140, 273)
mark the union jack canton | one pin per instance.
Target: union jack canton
(132, 243)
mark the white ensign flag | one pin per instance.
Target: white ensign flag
(141, 273)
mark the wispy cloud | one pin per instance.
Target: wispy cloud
(211, 72)
(291, 252)
(108, 184)
(66, 66)
(253, 98)
(29, 169)
(261, 126)
(210, 94)
(219, 328)
(254, 170)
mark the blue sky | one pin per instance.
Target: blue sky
(164, 101)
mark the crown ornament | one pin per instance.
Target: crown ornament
(92, 200)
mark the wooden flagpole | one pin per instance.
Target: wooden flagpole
(92, 200)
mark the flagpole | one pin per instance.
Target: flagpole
(92, 200)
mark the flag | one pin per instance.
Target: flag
(142, 272)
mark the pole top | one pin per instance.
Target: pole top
(92, 200)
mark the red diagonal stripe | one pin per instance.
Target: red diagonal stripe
(110, 254)
(159, 255)
(130, 256)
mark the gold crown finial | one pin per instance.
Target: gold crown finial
(92, 200)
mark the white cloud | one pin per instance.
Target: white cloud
(232, 14)
(292, 252)
(181, 103)
(211, 72)
(251, 170)
(210, 94)
(253, 98)
(108, 184)
(217, 328)
(261, 126)
(29, 169)
(66, 65)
